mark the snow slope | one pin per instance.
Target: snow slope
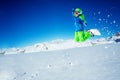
(95, 62)
(58, 45)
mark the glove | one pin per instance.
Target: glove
(85, 24)
(73, 10)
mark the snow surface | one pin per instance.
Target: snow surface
(57, 45)
(63, 60)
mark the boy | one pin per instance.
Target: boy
(80, 34)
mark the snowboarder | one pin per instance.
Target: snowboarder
(80, 34)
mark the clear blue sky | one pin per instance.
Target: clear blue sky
(25, 22)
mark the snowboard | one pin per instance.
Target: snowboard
(95, 32)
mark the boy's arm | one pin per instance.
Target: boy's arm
(73, 10)
(83, 19)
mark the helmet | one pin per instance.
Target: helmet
(78, 10)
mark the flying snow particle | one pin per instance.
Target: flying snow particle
(114, 21)
(100, 19)
(108, 16)
(99, 12)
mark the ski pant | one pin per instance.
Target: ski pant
(81, 36)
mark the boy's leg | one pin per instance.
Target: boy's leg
(76, 38)
(83, 35)
(87, 35)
